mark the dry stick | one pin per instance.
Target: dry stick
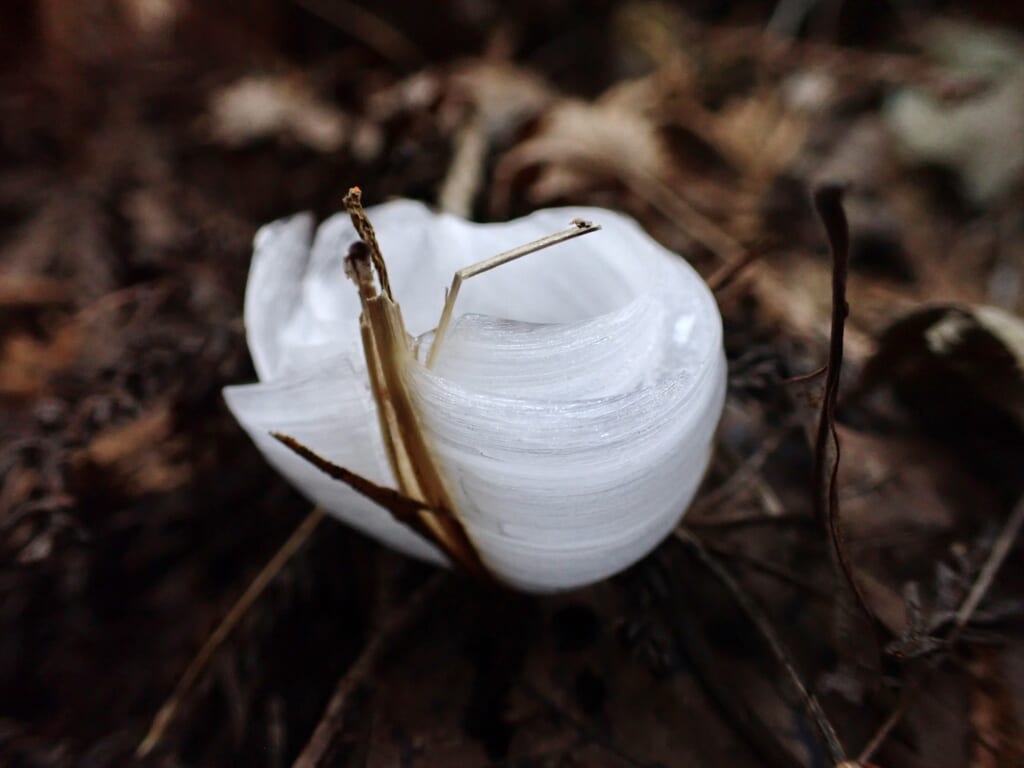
(400, 506)
(793, 55)
(996, 557)
(696, 224)
(828, 200)
(368, 28)
(578, 228)
(653, 190)
(735, 256)
(165, 715)
(466, 171)
(744, 519)
(758, 619)
(774, 570)
(744, 473)
(318, 750)
(724, 276)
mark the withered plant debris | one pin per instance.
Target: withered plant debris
(156, 577)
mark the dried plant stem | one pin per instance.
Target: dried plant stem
(986, 576)
(734, 255)
(319, 750)
(745, 519)
(748, 472)
(656, 192)
(789, 55)
(402, 508)
(693, 222)
(724, 276)
(996, 557)
(368, 28)
(578, 228)
(764, 628)
(774, 570)
(828, 201)
(466, 171)
(166, 714)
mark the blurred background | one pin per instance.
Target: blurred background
(142, 142)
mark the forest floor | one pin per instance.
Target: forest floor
(796, 619)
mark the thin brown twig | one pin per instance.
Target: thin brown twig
(577, 228)
(757, 618)
(906, 697)
(996, 557)
(693, 222)
(649, 187)
(320, 748)
(401, 507)
(466, 170)
(724, 276)
(828, 201)
(368, 28)
(166, 714)
(986, 576)
(744, 519)
(740, 476)
(803, 378)
(774, 570)
(792, 55)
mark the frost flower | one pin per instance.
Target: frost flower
(558, 433)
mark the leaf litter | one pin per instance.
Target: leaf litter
(133, 514)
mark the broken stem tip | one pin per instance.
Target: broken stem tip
(579, 227)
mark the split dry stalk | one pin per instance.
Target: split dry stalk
(388, 352)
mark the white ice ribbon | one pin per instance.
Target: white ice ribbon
(571, 408)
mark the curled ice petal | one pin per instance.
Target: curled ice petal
(572, 406)
(273, 294)
(330, 409)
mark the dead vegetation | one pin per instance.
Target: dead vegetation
(844, 588)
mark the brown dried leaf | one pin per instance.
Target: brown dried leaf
(26, 363)
(758, 134)
(946, 362)
(503, 95)
(580, 145)
(259, 107)
(27, 290)
(141, 454)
